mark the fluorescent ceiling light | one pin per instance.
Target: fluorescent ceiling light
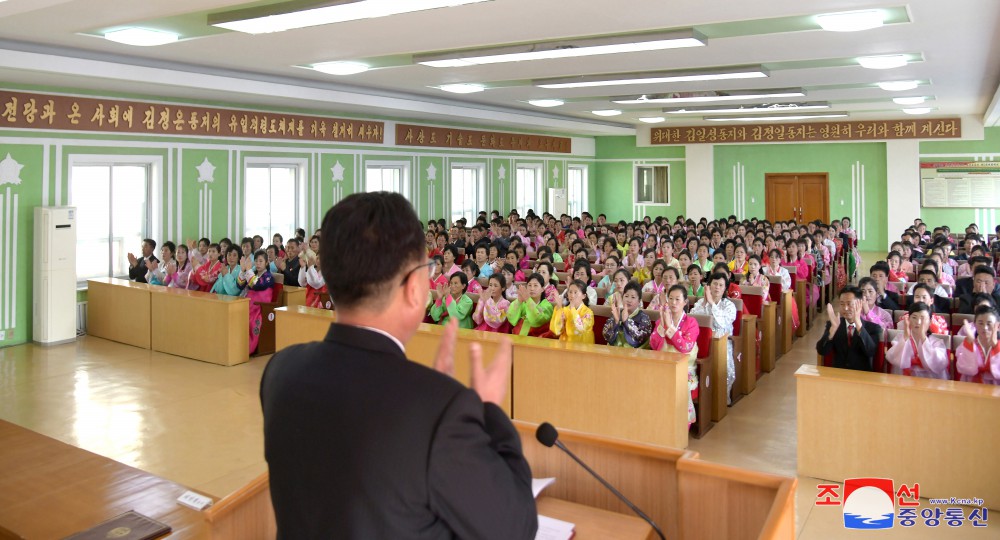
(619, 79)
(774, 107)
(851, 21)
(775, 118)
(707, 97)
(607, 112)
(898, 86)
(909, 100)
(888, 61)
(546, 102)
(650, 41)
(264, 19)
(462, 88)
(340, 68)
(917, 110)
(141, 37)
(652, 119)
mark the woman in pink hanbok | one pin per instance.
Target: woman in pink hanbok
(258, 286)
(677, 332)
(491, 311)
(978, 358)
(915, 352)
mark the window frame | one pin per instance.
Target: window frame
(301, 166)
(584, 188)
(404, 181)
(635, 184)
(480, 188)
(153, 228)
(539, 199)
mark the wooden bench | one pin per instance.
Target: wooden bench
(753, 298)
(861, 424)
(799, 288)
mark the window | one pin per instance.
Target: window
(652, 184)
(386, 177)
(576, 189)
(466, 191)
(113, 216)
(271, 192)
(527, 186)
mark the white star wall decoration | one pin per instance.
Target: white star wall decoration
(431, 172)
(206, 171)
(502, 172)
(555, 171)
(10, 171)
(338, 172)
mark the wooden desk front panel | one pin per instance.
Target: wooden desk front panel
(624, 393)
(293, 296)
(49, 489)
(937, 433)
(118, 310)
(769, 341)
(208, 327)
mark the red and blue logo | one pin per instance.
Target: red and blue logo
(868, 503)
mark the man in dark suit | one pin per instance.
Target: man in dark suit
(137, 266)
(289, 264)
(884, 299)
(852, 341)
(363, 443)
(964, 285)
(983, 281)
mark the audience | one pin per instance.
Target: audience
(851, 340)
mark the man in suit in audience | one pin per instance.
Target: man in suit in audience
(289, 265)
(852, 341)
(964, 285)
(983, 281)
(362, 443)
(137, 266)
(884, 299)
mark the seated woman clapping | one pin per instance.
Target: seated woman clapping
(454, 303)
(530, 313)
(628, 325)
(573, 319)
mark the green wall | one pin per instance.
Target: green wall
(45, 159)
(612, 188)
(838, 160)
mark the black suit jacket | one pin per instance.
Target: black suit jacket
(860, 354)
(291, 272)
(965, 302)
(138, 273)
(889, 302)
(362, 443)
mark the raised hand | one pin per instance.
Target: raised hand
(970, 333)
(171, 267)
(834, 319)
(191, 244)
(491, 383)
(152, 265)
(132, 261)
(906, 327)
(444, 362)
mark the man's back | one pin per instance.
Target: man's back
(362, 443)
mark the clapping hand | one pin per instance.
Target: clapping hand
(834, 319)
(522, 292)
(439, 291)
(191, 245)
(906, 327)
(132, 261)
(171, 267)
(970, 333)
(245, 263)
(280, 262)
(152, 265)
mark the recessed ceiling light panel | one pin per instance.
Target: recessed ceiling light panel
(546, 102)
(650, 41)
(917, 110)
(141, 37)
(898, 86)
(607, 112)
(889, 61)
(708, 97)
(775, 118)
(340, 68)
(851, 21)
(270, 18)
(462, 88)
(917, 100)
(652, 119)
(622, 79)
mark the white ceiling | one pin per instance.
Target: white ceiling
(45, 42)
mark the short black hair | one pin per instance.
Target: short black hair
(150, 242)
(391, 232)
(851, 290)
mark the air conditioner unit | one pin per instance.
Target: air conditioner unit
(54, 298)
(557, 201)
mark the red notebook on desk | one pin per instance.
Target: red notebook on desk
(128, 526)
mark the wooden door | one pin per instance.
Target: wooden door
(803, 197)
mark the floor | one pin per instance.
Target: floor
(200, 424)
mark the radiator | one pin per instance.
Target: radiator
(81, 318)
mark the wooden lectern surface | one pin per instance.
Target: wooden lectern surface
(49, 489)
(595, 524)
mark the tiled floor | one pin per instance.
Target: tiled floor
(200, 424)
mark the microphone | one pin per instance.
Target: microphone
(549, 436)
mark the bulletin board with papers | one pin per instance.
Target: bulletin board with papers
(977, 190)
